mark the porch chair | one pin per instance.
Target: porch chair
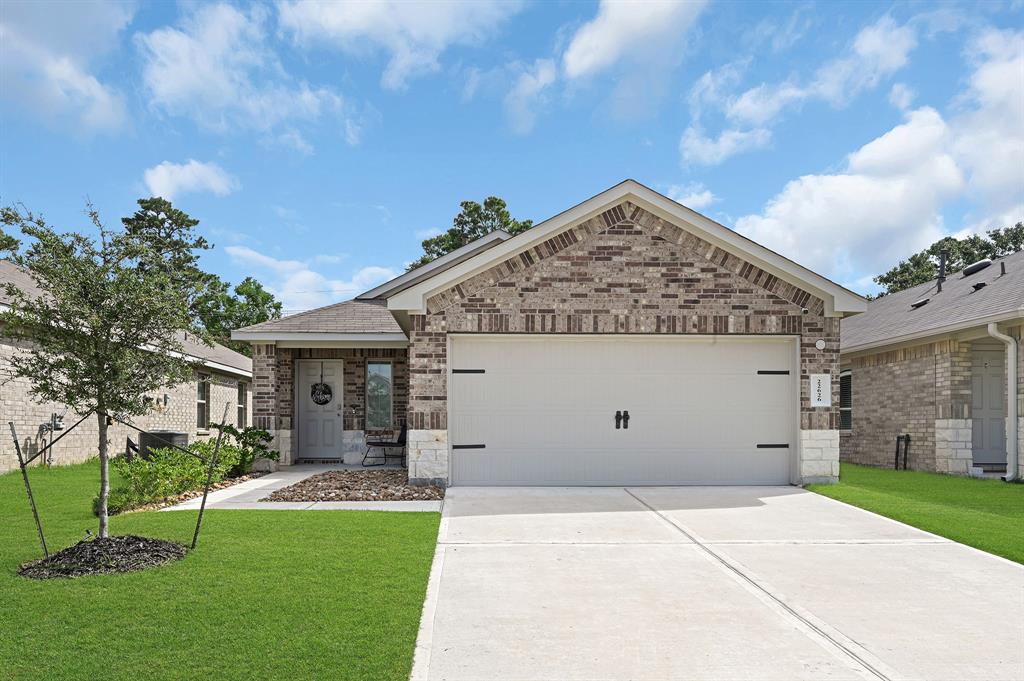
(385, 446)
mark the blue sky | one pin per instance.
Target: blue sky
(320, 143)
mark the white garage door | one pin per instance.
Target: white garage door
(529, 410)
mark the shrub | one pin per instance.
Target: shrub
(251, 444)
(168, 472)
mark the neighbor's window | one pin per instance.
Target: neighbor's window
(243, 389)
(845, 400)
(378, 395)
(203, 402)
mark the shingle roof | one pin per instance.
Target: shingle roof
(891, 317)
(11, 273)
(351, 316)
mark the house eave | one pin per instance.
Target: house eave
(839, 301)
(299, 339)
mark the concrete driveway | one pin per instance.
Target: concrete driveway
(707, 583)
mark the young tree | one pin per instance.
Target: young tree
(105, 325)
(923, 267)
(473, 222)
(221, 311)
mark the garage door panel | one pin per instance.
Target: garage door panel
(544, 408)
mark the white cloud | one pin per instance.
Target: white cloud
(901, 96)
(527, 95)
(218, 69)
(696, 147)
(48, 61)
(877, 51)
(885, 204)
(990, 130)
(693, 195)
(299, 287)
(628, 31)
(414, 34)
(170, 180)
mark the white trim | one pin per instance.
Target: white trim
(318, 337)
(447, 260)
(980, 322)
(838, 300)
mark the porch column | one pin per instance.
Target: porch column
(267, 398)
(428, 401)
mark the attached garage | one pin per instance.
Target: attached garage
(627, 340)
(622, 410)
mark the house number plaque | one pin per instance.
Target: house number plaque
(821, 390)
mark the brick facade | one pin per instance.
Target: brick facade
(922, 390)
(625, 271)
(273, 401)
(179, 414)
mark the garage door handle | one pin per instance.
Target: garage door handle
(625, 419)
(618, 420)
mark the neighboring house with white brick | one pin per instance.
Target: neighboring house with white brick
(627, 340)
(936, 362)
(222, 377)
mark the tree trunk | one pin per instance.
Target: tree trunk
(104, 474)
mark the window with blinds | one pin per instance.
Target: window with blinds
(846, 400)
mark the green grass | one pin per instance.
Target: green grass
(985, 514)
(267, 595)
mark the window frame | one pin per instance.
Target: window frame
(846, 409)
(242, 398)
(391, 395)
(203, 386)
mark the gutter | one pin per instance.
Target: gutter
(1011, 399)
(925, 334)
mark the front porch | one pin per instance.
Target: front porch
(322, 403)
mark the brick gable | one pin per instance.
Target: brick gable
(622, 271)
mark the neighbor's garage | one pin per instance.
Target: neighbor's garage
(544, 410)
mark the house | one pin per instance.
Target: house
(938, 362)
(223, 377)
(627, 340)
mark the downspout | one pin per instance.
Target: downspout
(1011, 399)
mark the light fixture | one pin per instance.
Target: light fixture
(819, 344)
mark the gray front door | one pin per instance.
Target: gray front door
(988, 380)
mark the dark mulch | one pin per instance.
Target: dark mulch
(388, 485)
(120, 553)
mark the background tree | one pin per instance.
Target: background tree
(923, 267)
(473, 222)
(221, 310)
(105, 329)
(8, 242)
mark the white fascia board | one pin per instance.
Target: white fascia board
(928, 334)
(838, 300)
(280, 337)
(215, 366)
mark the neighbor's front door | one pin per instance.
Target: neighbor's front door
(988, 380)
(320, 409)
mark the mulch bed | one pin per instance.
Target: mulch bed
(119, 553)
(390, 485)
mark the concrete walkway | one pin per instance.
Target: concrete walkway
(247, 495)
(531, 584)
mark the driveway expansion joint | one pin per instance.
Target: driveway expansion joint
(728, 565)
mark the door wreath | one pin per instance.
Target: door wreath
(321, 393)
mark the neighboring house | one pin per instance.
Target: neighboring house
(627, 340)
(935, 365)
(224, 377)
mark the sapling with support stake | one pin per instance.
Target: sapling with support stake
(105, 325)
(209, 475)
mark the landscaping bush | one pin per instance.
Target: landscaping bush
(168, 472)
(251, 444)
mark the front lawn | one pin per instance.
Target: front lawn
(267, 595)
(985, 514)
